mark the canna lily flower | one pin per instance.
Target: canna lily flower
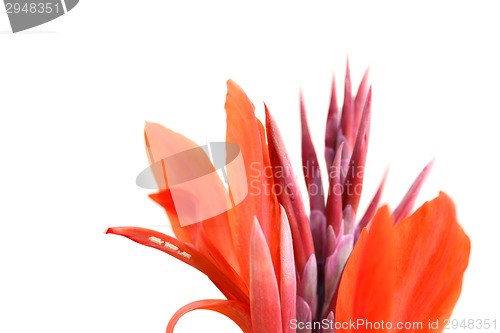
(282, 270)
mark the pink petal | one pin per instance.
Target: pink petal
(288, 287)
(265, 307)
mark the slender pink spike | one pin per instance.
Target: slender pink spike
(406, 205)
(309, 284)
(310, 165)
(318, 228)
(349, 220)
(347, 119)
(289, 195)
(303, 315)
(353, 184)
(265, 307)
(331, 241)
(345, 157)
(372, 208)
(334, 201)
(332, 123)
(288, 287)
(360, 101)
(334, 267)
(331, 323)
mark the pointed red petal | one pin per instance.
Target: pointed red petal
(289, 195)
(370, 211)
(347, 119)
(288, 287)
(270, 205)
(185, 253)
(308, 286)
(331, 323)
(360, 101)
(310, 165)
(406, 205)
(242, 129)
(334, 201)
(332, 123)
(353, 184)
(304, 315)
(333, 269)
(234, 310)
(264, 295)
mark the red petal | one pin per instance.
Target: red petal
(234, 310)
(163, 143)
(289, 195)
(368, 282)
(243, 130)
(184, 234)
(332, 123)
(310, 165)
(304, 316)
(360, 101)
(335, 189)
(433, 253)
(347, 119)
(185, 253)
(408, 273)
(265, 307)
(406, 205)
(353, 184)
(288, 287)
(370, 211)
(270, 206)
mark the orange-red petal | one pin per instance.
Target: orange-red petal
(185, 253)
(234, 310)
(408, 273)
(242, 129)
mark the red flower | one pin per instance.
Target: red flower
(282, 271)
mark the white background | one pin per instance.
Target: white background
(74, 95)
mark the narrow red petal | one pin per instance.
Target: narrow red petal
(288, 287)
(335, 190)
(234, 310)
(270, 205)
(360, 101)
(289, 195)
(304, 315)
(242, 129)
(332, 123)
(308, 287)
(265, 307)
(347, 119)
(185, 253)
(330, 323)
(310, 165)
(353, 184)
(370, 211)
(406, 205)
